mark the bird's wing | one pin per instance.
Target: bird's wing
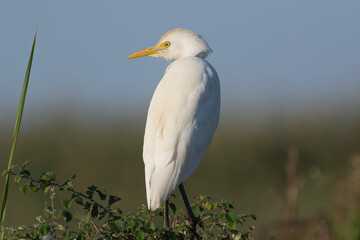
(182, 118)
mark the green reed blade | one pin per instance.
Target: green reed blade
(15, 136)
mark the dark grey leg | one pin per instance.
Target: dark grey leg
(193, 220)
(166, 215)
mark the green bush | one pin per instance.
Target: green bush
(94, 215)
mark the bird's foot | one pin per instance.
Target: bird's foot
(167, 228)
(194, 221)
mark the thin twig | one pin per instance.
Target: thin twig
(53, 222)
(96, 227)
(212, 226)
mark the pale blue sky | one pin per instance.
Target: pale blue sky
(268, 54)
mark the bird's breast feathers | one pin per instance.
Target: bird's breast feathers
(187, 86)
(182, 118)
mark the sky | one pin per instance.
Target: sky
(269, 55)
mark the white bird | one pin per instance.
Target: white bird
(182, 117)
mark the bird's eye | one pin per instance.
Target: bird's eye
(167, 44)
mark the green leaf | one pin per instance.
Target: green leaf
(253, 216)
(57, 213)
(217, 204)
(181, 228)
(101, 192)
(90, 191)
(31, 187)
(87, 206)
(67, 215)
(229, 217)
(17, 178)
(208, 205)
(172, 207)
(208, 235)
(59, 226)
(67, 234)
(233, 216)
(112, 200)
(202, 197)
(48, 211)
(22, 235)
(232, 225)
(5, 172)
(196, 210)
(118, 210)
(66, 203)
(86, 231)
(213, 218)
(51, 175)
(95, 211)
(139, 234)
(44, 229)
(152, 226)
(25, 173)
(25, 164)
(132, 226)
(70, 184)
(102, 215)
(23, 188)
(78, 200)
(227, 204)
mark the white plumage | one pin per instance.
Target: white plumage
(183, 114)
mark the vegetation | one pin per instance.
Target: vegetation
(96, 216)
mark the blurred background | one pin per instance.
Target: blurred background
(288, 145)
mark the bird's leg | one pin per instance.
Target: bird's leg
(166, 215)
(193, 220)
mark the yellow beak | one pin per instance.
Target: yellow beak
(149, 51)
(145, 52)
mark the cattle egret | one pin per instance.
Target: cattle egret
(182, 117)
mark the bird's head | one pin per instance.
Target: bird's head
(175, 44)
